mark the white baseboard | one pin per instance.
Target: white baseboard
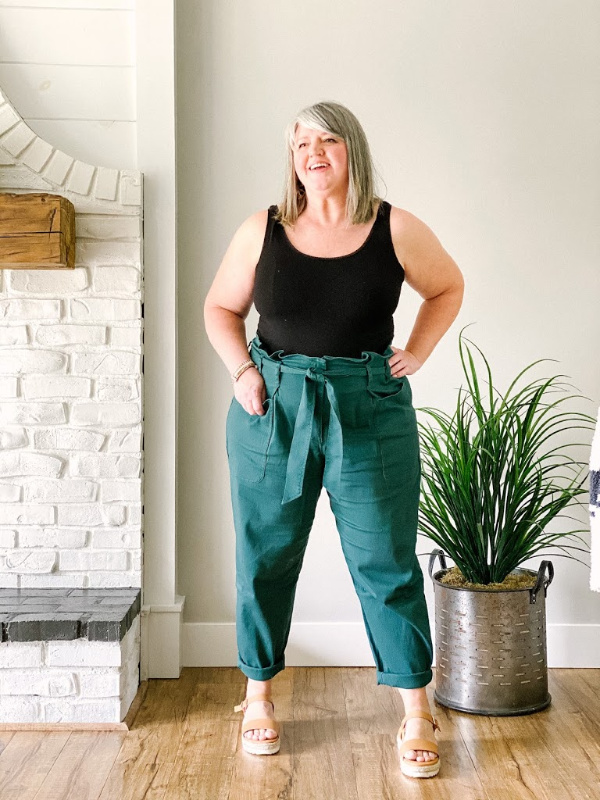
(346, 645)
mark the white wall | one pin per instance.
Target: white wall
(69, 68)
(484, 120)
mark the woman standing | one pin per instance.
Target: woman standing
(322, 399)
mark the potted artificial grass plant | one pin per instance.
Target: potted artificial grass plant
(494, 477)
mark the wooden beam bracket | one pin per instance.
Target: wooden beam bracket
(37, 231)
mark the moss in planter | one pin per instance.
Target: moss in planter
(454, 577)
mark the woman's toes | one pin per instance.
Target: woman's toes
(261, 733)
(259, 709)
(420, 755)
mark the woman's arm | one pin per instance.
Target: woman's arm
(228, 303)
(434, 274)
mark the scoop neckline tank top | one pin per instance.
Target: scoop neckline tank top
(334, 258)
(327, 305)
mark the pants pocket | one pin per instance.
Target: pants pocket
(397, 433)
(390, 387)
(248, 438)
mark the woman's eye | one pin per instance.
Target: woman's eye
(329, 139)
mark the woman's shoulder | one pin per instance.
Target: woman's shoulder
(406, 226)
(254, 226)
(427, 264)
(258, 218)
(401, 216)
(250, 234)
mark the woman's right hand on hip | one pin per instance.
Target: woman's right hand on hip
(250, 391)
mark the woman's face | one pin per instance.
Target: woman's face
(313, 147)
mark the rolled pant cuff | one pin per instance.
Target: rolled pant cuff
(261, 673)
(415, 681)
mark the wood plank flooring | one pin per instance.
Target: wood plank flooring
(338, 743)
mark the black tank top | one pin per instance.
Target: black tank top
(336, 306)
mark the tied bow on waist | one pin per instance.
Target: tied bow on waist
(298, 455)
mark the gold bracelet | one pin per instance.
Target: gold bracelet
(242, 368)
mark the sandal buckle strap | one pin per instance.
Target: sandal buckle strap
(251, 698)
(419, 715)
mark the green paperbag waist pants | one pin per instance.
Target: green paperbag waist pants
(346, 424)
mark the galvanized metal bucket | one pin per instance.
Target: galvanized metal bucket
(491, 645)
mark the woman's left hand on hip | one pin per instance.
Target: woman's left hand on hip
(403, 362)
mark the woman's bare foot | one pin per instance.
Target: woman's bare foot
(259, 708)
(256, 709)
(416, 727)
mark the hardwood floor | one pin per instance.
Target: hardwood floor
(338, 743)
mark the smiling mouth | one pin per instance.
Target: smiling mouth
(318, 167)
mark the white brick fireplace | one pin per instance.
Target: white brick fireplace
(71, 450)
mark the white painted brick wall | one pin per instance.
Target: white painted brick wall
(14, 334)
(30, 414)
(90, 514)
(69, 681)
(67, 281)
(69, 334)
(9, 494)
(8, 387)
(35, 386)
(104, 415)
(71, 391)
(29, 309)
(71, 430)
(20, 462)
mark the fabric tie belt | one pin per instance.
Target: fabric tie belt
(316, 371)
(298, 456)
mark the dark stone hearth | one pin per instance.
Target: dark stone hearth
(44, 615)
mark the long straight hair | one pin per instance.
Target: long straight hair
(339, 121)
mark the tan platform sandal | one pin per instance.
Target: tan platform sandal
(409, 766)
(259, 747)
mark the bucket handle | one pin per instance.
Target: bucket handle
(540, 580)
(432, 558)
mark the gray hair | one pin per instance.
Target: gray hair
(338, 120)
